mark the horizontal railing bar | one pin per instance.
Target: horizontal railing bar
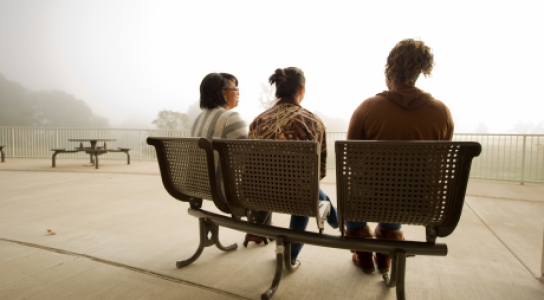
(509, 157)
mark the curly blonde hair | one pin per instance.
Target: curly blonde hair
(407, 60)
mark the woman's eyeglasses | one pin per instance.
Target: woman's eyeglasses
(235, 89)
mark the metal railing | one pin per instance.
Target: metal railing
(37, 142)
(511, 157)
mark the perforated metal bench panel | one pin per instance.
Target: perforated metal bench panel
(188, 167)
(277, 176)
(403, 182)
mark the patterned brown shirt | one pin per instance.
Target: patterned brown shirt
(290, 122)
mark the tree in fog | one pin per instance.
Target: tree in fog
(267, 96)
(22, 107)
(15, 108)
(60, 109)
(135, 122)
(171, 120)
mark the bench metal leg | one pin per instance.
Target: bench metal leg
(206, 227)
(3, 155)
(54, 159)
(280, 250)
(128, 157)
(215, 236)
(398, 273)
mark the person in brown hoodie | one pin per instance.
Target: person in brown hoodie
(404, 112)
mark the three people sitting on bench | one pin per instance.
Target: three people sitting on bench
(404, 112)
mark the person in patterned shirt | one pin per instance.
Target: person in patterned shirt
(287, 120)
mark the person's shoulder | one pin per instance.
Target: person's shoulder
(264, 115)
(372, 101)
(439, 105)
(436, 102)
(304, 110)
(310, 115)
(230, 114)
(378, 97)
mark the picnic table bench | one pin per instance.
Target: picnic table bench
(2, 153)
(94, 151)
(124, 150)
(410, 182)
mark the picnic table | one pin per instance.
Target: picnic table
(94, 150)
(93, 142)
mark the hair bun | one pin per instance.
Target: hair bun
(279, 71)
(277, 77)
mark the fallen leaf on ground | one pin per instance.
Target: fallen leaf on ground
(51, 232)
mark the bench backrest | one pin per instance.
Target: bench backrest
(184, 170)
(409, 182)
(270, 175)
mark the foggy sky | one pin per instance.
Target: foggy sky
(131, 59)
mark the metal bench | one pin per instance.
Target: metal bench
(283, 177)
(2, 153)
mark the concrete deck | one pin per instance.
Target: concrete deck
(118, 235)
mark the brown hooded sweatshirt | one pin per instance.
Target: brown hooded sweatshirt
(407, 113)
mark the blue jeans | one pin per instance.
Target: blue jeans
(300, 223)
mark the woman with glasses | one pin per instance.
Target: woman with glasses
(288, 120)
(218, 96)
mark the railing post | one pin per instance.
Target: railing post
(141, 146)
(542, 267)
(523, 160)
(12, 142)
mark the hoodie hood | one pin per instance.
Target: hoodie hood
(407, 97)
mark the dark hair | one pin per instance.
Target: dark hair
(288, 81)
(407, 60)
(211, 89)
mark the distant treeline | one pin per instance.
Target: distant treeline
(22, 107)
